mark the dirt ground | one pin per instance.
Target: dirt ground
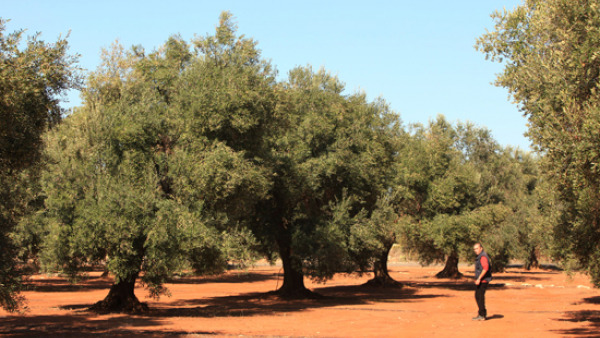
(538, 303)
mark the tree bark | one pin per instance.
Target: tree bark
(293, 278)
(451, 268)
(381, 276)
(532, 261)
(121, 298)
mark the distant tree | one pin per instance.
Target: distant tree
(551, 69)
(158, 170)
(33, 78)
(376, 232)
(464, 188)
(525, 234)
(372, 239)
(445, 187)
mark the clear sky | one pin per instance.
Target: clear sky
(417, 55)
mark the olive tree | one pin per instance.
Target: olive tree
(551, 68)
(34, 77)
(158, 169)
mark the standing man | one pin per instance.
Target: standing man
(483, 277)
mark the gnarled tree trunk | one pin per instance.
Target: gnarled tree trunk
(451, 268)
(293, 278)
(381, 276)
(121, 298)
(532, 260)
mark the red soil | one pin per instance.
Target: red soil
(537, 303)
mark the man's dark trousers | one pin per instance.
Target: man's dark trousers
(480, 298)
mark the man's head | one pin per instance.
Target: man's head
(477, 248)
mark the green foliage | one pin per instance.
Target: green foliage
(177, 153)
(32, 79)
(373, 236)
(330, 155)
(157, 171)
(551, 69)
(325, 247)
(459, 187)
(436, 190)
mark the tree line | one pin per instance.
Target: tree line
(194, 156)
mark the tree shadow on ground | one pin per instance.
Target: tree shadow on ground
(533, 273)
(59, 284)
(460, 284)
(519, 276)
(553, 267)
(83, 324)
(253, 304)
(589, 317)
(521, 279)
(453, 285)
(592, 300)
(237, 277)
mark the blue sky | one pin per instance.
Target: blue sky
(417, 55)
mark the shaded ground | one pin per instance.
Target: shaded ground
(538, 303)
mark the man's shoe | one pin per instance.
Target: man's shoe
(479, 318)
